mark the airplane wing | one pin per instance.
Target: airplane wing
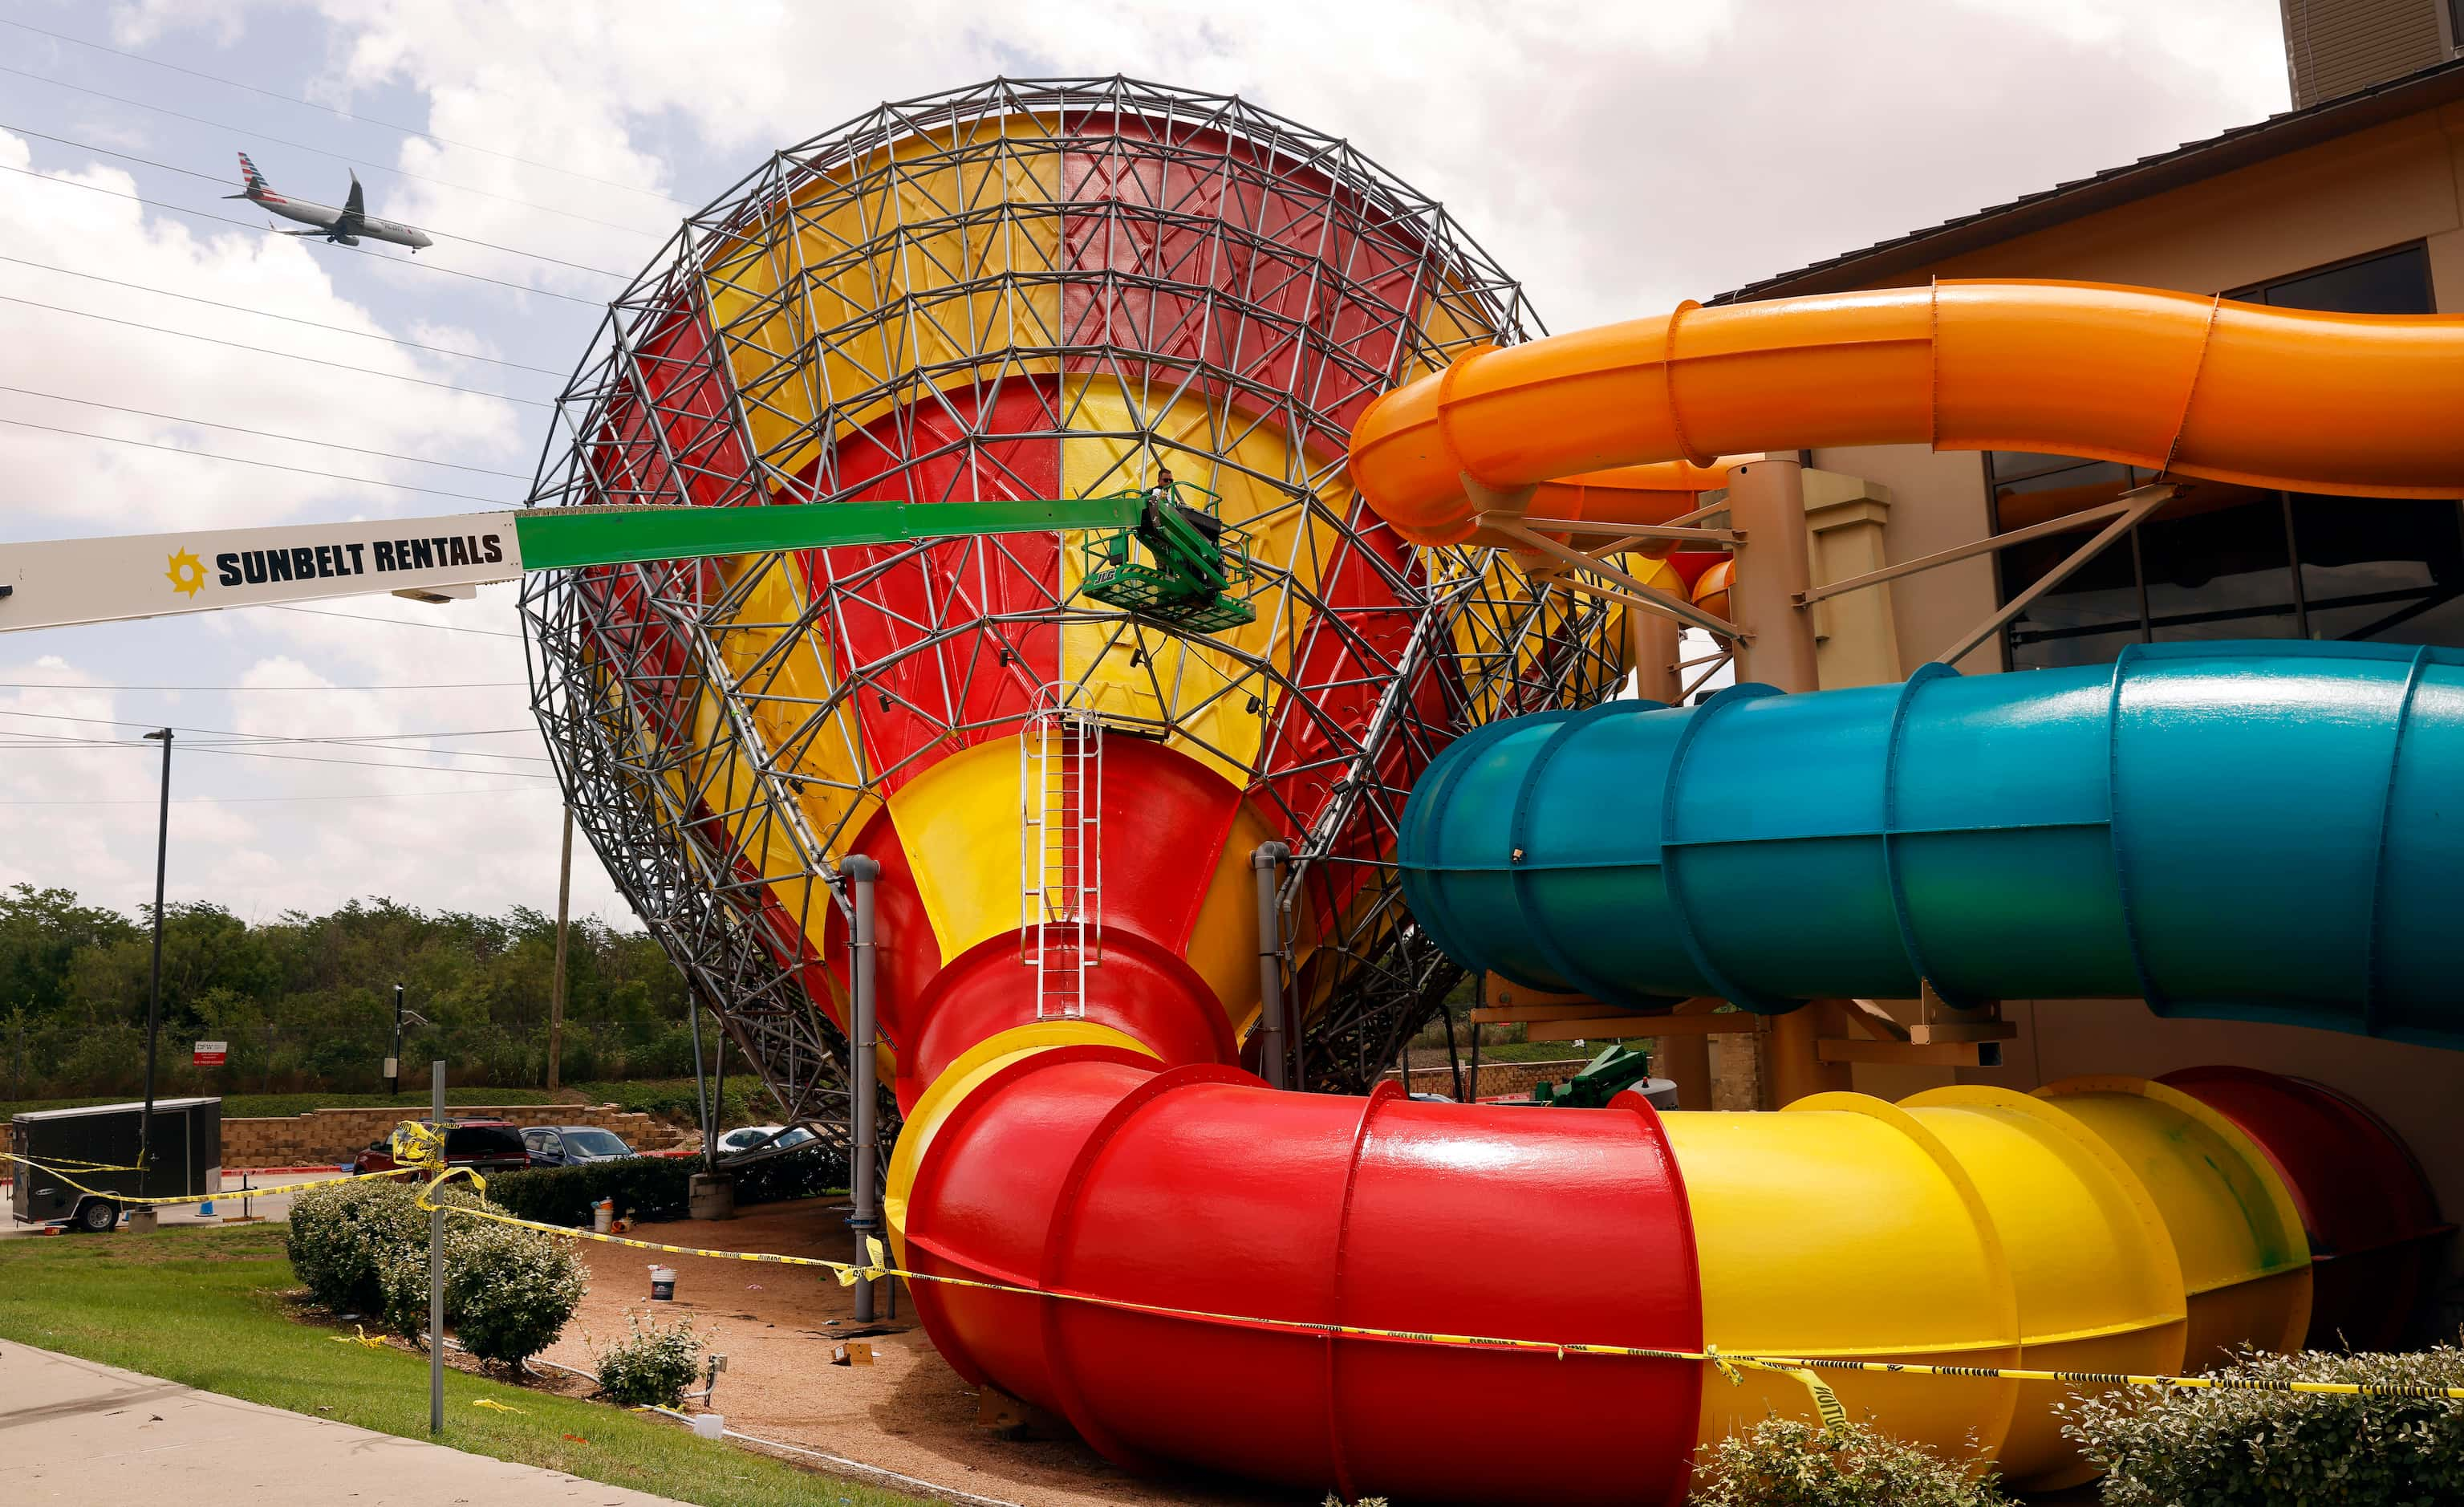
(355, 210)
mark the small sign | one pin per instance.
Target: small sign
(212, 1053)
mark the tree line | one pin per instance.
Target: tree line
(306, 1002)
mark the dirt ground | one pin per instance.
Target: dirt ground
(907, 1411)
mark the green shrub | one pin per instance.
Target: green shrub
(1781, 1462)
(647, 1188)
(658, 1187)
(806, 1172)
(2227, 1449)
(508, 1293)
(651, 1365)
(338, 1236)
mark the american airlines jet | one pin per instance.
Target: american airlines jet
(346, 226)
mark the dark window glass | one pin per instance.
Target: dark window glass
(2234, 563)
(482, 1140)
(2083, 621)
(2391, 282)
(2219, 573)
(2384, 568)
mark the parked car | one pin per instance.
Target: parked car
(486, 1146)
(757, 1137)
(570, 1145)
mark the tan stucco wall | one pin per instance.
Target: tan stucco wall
(2397, 183)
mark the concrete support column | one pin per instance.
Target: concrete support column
(1653, 647)
(1767, 503)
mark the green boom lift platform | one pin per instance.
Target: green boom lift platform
(1193, 562)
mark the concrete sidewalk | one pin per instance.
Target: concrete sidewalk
(74, 1432)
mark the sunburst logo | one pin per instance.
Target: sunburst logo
(188, 573)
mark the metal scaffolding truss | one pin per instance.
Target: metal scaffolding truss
(918, 306)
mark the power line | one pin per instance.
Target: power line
(448, 685)
(279, 738)
(256, 800)
(139, 746)
(397, 622)
(267, 230)
(220, 180)
(314, 361)
(287, 318)
(356, 162)
(371, 120)
(231, 738)
(261, 433)
(242, 460)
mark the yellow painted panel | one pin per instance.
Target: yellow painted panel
(1204, 691)
(1841, 1227)
(958, 822)
(797, 299)
(2245, 1261)
(1223, 944)
(2091, 1262)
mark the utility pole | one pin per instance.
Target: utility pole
(154, 989)
(556, 990)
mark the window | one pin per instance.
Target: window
(2233, 562)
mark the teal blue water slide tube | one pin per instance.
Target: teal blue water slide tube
(2266, 831)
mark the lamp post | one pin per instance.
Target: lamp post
(154, 990)
(394, 1062)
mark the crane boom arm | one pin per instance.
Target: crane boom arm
(57, 582)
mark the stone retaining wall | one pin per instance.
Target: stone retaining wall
(334, 1136)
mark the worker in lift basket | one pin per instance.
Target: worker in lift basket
(1162, 495)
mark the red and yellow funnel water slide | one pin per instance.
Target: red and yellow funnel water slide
(1119, 1155)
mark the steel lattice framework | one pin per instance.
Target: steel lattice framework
(927, 303)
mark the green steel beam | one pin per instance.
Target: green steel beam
(561, 539)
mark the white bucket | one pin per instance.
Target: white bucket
(663, 1283)
(709, 1426)
(603, 1215)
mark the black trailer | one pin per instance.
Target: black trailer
(97, 1146)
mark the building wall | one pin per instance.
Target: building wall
(2383, 187)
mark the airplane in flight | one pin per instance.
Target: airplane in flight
(346, 226)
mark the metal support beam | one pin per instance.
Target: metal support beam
(2143, 500)
(1991, 542)
(1274, 1050)
(1641, 533)
(862, 1046)
(1648, 597)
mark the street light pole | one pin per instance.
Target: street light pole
(393, 1063)
(154, 990)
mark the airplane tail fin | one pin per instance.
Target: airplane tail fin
(255, 180)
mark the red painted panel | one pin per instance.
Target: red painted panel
(2374, 1226)
(924, 705)
(1327, 284)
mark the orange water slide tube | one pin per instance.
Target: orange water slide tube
(2172, 382)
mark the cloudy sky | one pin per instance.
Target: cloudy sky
(1614, 156)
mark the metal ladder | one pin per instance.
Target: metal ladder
(1060, 856)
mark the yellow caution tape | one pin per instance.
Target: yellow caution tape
(1803, 1368)
(362, 1339)
(495, 1407)
(196, 1198)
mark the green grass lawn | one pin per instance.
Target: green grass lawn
(208, 1308)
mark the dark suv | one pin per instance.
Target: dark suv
(485, 1146)
(567, 1146)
